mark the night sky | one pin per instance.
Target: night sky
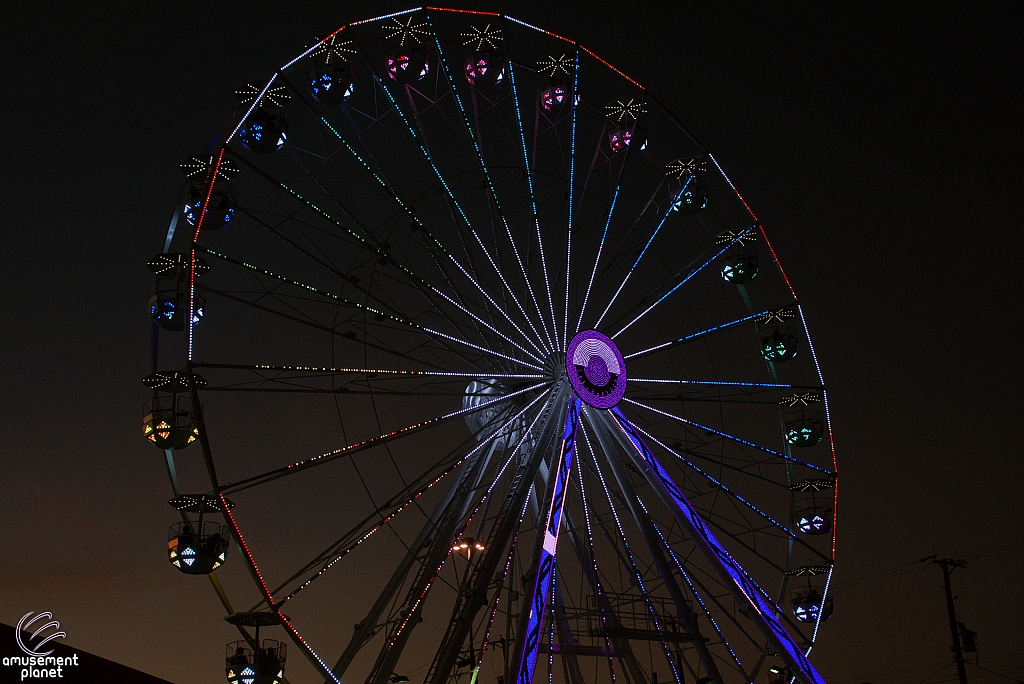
(881, 149)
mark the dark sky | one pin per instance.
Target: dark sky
(881, 148)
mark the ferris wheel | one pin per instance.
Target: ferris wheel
(460, 337)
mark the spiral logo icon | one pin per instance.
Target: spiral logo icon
(25, 623)
(596, 369)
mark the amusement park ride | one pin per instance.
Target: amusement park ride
(441, 219)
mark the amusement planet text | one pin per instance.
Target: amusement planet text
(40, 667)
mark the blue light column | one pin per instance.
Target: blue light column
(716, 554)
(540, 597)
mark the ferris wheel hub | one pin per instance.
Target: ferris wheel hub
(596, 369)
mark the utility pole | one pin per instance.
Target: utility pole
(947, 565)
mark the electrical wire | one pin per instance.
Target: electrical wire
(864, 678)
(990, 552)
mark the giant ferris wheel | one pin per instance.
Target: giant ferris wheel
(460, 337)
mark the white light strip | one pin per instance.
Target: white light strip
(253, 107)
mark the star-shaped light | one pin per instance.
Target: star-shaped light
(335, 49)
(780, 316)
(276, 95)
(812, 485)
(807, 571)
(620, 111)
(478, 37)
(552, 66)
(682, 168)
(730, 235)
(407, 33)
(803, 399)
(200, 165)
(167, 265)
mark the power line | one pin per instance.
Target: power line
(935, 673)
(884, 674)
(990, 552)
(863, 678)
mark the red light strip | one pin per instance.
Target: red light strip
(588, 51)
(314, 47)
(721, 171)
(760, 227)
(255, 103)
(776, 258)
(386, 16)
(462, 11)
(325, 670)
(206, 202)
(537, 28)
(192, 263)
(245, 548)
(607, 64)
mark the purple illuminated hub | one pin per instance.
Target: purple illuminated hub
(596, 369)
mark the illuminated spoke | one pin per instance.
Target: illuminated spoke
(788, 533)
(383, 373)
(494, 196)
(426, 154)
(731, 574)
(732, 438)
(643, 251)
(632, 567)
(572, 175)
(363, 530)
(533, 197)
(332, 555)
(347, 451)
(681, 282)
(703, 606)
(714, 383)
(600, 249)
(697, 335)
(376, 248)
(377, 313)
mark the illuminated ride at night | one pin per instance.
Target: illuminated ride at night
(496, 365)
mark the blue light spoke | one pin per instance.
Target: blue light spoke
(637, 575)
(671, 206)
(684, 280)
(693, 336)
(733, 438)
(723, 383)
(533, 197)
(716, 482)
(597, 259)
(544, 574)
(727, 567)
(572, 175)
(451, 197)
(494, 197)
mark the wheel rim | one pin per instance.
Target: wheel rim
(397, 242)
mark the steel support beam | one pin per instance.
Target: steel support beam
(717, 556)
(543, 565)
(474, 596)
(684, 611)
(369, 626)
